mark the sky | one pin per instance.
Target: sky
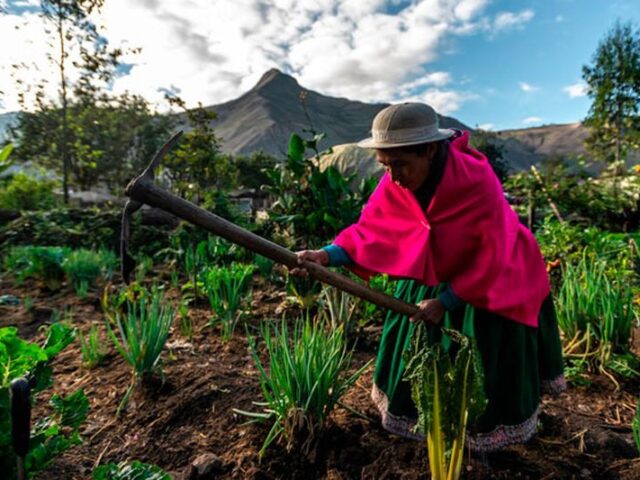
(493, 64)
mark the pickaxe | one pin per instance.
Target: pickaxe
(143, 190)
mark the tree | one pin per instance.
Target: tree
(197, 166)
(73, 30)
(613, 82)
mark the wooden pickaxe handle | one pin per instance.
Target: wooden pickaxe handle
(143, 190)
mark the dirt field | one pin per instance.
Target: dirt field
(584, 433)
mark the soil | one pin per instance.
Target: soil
(584, 433)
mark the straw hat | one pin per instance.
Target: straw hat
(405, 124)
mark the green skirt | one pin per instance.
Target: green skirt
(520, 363)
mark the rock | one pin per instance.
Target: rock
(206, 466)
(9, 300)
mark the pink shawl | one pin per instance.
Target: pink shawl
(469, 237)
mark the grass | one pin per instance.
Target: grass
(306, 377)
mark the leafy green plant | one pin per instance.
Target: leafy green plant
(51, 435)
(311, 203)
(129, 471)
(24, 192)
(140, 335)
(5, 161)
(595, 312)
(265, 266)
(227, 289)
(447, 388)
(186, 322)
(42, 263)
(307, 376)
(84, 267)
(92, 349)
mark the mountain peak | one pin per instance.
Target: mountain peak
(275, 78)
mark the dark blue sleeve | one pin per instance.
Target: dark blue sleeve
(337, 256)
(449, 299)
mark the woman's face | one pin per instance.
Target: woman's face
(407, 169)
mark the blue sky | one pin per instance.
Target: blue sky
(547, 53)
(493, 63)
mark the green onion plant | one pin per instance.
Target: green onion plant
(140, 335)
(307, 375)
(595, 312)
(227, 289)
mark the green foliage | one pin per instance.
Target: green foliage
(92, 349)
(265, 266)
(109, 139)
(41, 263)
(613, 81)
(302, 290)
(447, 386)
(82, 228)
(487, 143)
(142, 332)
(595, 311)
(52, 435)
(307, 376)
(312, 204)
(129, 471)
(24, 192)
(228, 290)
(5, 161)
(251, 169)
(84, 267)
(608, 201)
(197, 163)
(340, 309)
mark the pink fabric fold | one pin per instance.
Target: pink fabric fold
(469, 237)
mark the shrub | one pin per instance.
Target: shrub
(307, 376)
(24, 192)
(42, 263)
(84, 267)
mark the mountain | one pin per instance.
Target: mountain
(265, 116)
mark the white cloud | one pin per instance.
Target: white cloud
(527, 87)
(578, 89)
(510, 20)
(215, 51)
(486, 126)
(531, 120)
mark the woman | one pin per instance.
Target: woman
(439, 220)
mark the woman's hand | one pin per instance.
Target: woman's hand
(430, 311)
(316, 256)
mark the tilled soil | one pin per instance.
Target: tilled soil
(584, 433)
